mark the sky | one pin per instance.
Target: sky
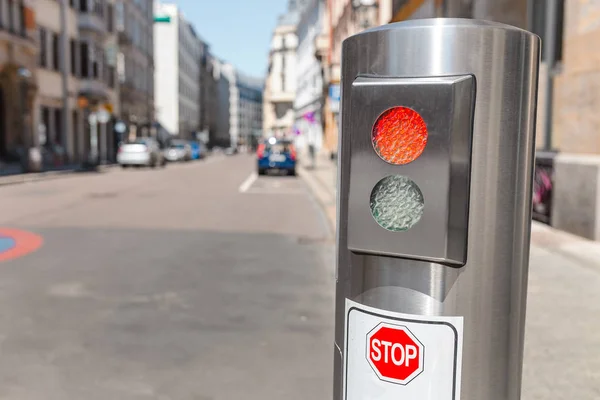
(238, 31)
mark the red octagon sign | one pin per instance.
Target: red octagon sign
(394, 353)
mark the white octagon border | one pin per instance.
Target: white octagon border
(412, 376)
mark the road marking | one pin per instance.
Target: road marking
(16, 243)
(248, 182)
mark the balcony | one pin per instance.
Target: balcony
(94, 90)
(93, 23)
(19, 39)
(281, 97)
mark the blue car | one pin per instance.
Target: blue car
(196, 150)
(276, 154)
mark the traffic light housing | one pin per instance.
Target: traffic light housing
(410, 157)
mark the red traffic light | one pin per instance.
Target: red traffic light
(399, 135)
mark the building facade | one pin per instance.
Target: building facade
(250, 112)
(221, 135)
(574, 120)
(18, 80)
(280, 84)
(309, 100)
(76, 77)
(208, 95)
(230, 74)
(568, 159)
(177, 62)
(96, 49)
(346, 18)
(135, 27)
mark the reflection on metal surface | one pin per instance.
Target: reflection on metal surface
(397, 203)
(542, 187)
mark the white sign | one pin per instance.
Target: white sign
(103, 116)
(120, 127)
(391, 356)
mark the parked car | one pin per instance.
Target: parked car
(140, 152)
(196, 148)
(179, 150)
(231, 151)
(276, 154)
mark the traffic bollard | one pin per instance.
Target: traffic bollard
(434, 209)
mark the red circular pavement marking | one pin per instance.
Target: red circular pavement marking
(25, 243)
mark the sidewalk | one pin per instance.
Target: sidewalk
(562, 343)
(14, 175)
(322, 182)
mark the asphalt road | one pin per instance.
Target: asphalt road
(199, 281)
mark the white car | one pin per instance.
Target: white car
(140, 152)
(178, 151)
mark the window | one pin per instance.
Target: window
(11, 16)
(58, 126)
(83, 6)
(120, 16)
(110, 23)
(94, 56)
(98, 7)
(85, 59)
(111, 77)
(55, 52)
(43, 47)
(73, 50)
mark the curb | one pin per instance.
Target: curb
(324, 196)
(579, 249)
(43, 176)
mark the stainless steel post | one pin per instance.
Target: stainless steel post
(463, 266)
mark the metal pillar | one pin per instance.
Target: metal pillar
(464, 265)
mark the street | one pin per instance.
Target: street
(205, 281)
(173, 283)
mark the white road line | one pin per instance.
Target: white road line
(248, 182)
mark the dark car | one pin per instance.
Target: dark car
(276, 154)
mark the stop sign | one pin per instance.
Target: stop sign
(394, 353)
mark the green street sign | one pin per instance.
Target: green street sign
(164, 19)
